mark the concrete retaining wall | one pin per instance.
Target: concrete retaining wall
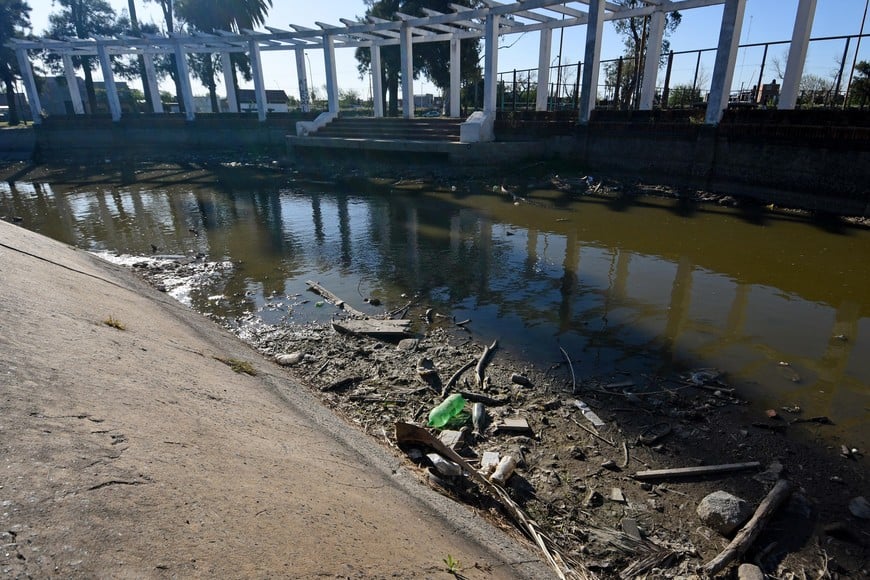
(161, 135)
(819, 167)
(814, 171)
(17, 143)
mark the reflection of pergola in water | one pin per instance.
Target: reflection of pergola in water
(489, 23)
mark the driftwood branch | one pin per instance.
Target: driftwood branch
(455, 377)
(593, 433)
(332, 298)
(481, 364)
(407, 433)
(488, 401)
(570, 366)
(744, 538)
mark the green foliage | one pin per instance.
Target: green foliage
(682, 96)
(238, 366)
(113, 322)
(14, 19)
(431, 59)
(212, 15)
(83, 19)
(453, 566)
(859, 90)
(634, 32)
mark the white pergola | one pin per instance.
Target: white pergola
(490, 22)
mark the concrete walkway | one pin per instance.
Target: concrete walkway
(136, 453)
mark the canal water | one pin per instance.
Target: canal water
(634, 287)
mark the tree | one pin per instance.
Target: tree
(859, 90)
(431, 59)
(84, 19)
(683, 96)
(231, 15)
(814, 89)
(628, 78)
(14, 19)
(134, 25)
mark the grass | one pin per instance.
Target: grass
(114, 323)
(453, 566)
(238, 366)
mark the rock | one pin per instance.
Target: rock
(723, 512)
(408, 344)
(772, 474)
(749, 572)
(860, 508)
(593, 499)
(617, 495)
(519, 379)
(293, 358)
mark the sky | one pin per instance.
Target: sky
(765, 21)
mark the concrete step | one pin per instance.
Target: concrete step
(391, 133)
(423, 129)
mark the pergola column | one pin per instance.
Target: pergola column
(109, 82)
(591, 59)
(544, 54)
(406, 54)
(151, 80)
(259, 83)
(302, 76)
(331, 76)
(377, 81)
(229, 82)
(184, 77)
(455, 77)
(69, 70)
(726, 57)
(490, 70)
(29, 85)
(797, 54)
(653, 59)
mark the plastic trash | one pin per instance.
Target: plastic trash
(589, 414)
(444, 466)
(446, 410)
(504, 470)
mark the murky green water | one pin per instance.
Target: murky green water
(639, 286)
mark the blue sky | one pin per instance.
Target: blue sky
(765, 20)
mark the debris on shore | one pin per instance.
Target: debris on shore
(603, 474)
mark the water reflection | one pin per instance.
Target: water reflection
(640, 287)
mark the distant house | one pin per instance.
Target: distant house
(20, 105)
(54, 95)
(276, 101)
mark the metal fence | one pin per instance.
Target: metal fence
(686, 79)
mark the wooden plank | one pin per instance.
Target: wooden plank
(318, 289)
(374, 328)
(695, 471)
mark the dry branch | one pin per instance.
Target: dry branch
(481, 364)
(455, 377)
(407, 433)
(744, 538)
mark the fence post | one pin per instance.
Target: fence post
(515, 90)
(761, 74)
(618, 84)
(577, 87)
(666, 93)
(842, 65)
